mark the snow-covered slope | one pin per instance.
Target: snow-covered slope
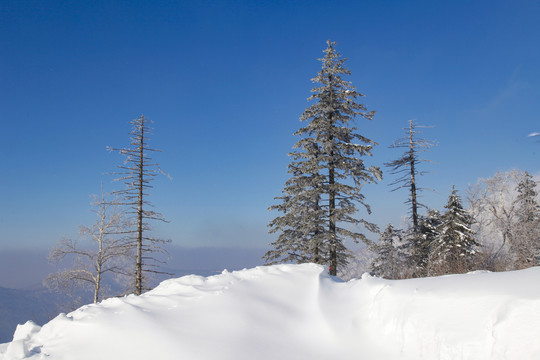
(298, 312)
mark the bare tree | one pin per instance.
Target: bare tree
(136, 173)
(492, 202)
(407, 166)
(508, 213)
(407, 169)
(103, 250)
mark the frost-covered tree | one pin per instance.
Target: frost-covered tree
(101, 250)
(319, 202)
(526, 242)
(136, 173)
(302, 225)
(423, 240)
(501, 205)
(455, 247)
(407, 167)
(390, 261)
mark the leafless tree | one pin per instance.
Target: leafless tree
(407, 166)
(103, 249)
(407, 169)
(136, 173)
(498, 205)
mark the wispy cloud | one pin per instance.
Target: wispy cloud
(513, 87)
(533, 134)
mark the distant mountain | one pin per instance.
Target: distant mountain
(19, 306)
(23, 298)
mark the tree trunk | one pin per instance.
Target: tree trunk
(414, 204)
(138, 265)
(331, 220)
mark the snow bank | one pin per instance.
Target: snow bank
(298, 312)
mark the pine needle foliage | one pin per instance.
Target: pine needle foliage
(424, 240)
(319, 201)
(390, 260)
(137, 171)
(455, 246)
(525, 246)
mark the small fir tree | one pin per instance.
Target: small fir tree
(327, 173)
(389, 262)
(424, 240)
(528, 209)
(455, 246)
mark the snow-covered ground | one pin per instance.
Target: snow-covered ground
(298, 312)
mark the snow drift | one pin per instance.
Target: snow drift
(299, 312)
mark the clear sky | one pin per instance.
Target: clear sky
(225, 83)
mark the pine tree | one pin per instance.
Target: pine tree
(528, 209)
(423, 241)
(327, 173)
(455, 246)
(136, 173)
(390, 261)
(526, 241)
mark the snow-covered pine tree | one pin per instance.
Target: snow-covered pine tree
(389, 262)
(136, 173)
(454, 248)
(421, 242)
(527, 207)
(526, 240)
(327, 174)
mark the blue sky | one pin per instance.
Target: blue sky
(225, 83)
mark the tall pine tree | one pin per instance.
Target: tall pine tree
(320, 199)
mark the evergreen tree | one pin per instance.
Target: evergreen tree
(526, 241)
(327, 173)
(136, 173)
(455, 247)
(528, 209)
(390, 261)
(423, 241)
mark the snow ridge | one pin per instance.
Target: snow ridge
(300, 312)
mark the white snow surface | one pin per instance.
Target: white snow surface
(299, 312)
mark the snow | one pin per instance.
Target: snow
(299, 312)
